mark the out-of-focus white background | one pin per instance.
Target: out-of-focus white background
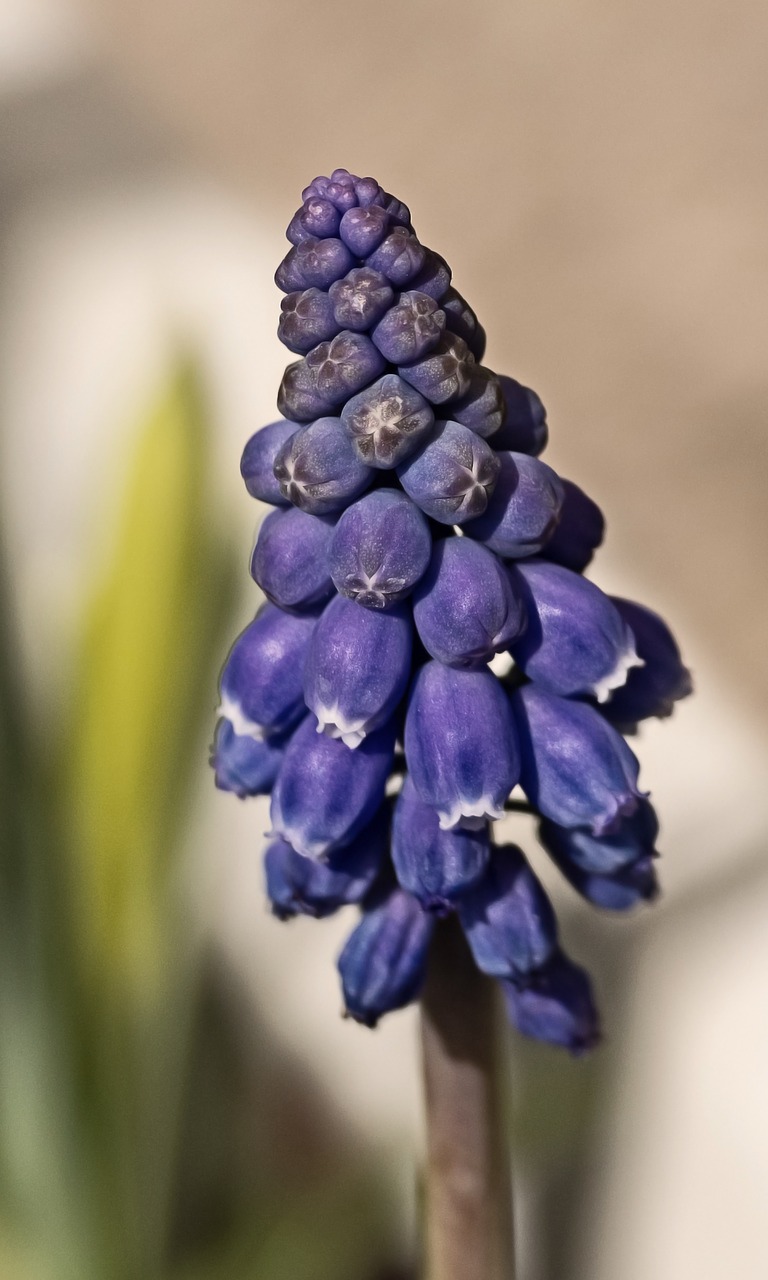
(596, 177)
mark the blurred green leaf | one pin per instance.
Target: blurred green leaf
(144, 676)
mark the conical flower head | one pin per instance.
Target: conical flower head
(417, 547)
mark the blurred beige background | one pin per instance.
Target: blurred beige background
(596, 175)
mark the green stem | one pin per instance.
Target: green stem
(469, 1201)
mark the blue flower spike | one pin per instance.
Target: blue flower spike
(430, 640)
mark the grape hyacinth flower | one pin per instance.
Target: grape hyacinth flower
(415, 535)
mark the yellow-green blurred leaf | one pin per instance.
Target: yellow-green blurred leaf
(145, 674)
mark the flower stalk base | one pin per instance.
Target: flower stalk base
(468, 1228)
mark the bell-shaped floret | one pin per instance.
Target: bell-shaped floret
(624, 889)
(383, 963)
(461, 743)
(444, 373)
(304, 886)
(318, 469)
(331, 373)
(258, 460)
(360, 299)
(262, 683)
(306, 318)
(555, 1005)
(523, 509)
(290, 559)
(508, 919)
(466, 607)
(575, 768)
(452, 476)
(380, 547)
(387, 421)
(357, 668)
(325, 794)
(576, 641)
(482, 408)
(436, 866)
(409, 329)
(579, 530)
(655, 687)
(524, 429)
(242, 764)
(633, 839)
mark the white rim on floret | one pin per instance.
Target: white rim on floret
(243, 727)
(618, 677)
(469, 813)
(332, 722)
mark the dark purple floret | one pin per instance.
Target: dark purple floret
(409, 329)
(258, 460)
(445, 373)
(317, 218)
(399, 257)
(387, 422)
(357, 668)
(262, 692)
(625, 889)
(363, 229)
(313, 263)
(306, 318)
(242, 764)
(482, 407)
(369, 192)
(398, 212)
(461, 320)
(290, 559)
(453, 476)
(360, 299)
(319, 470)
(320, 383)
(654, 688)
(525, 420)
(461, 743)
(434, 277)
(303, 886)
(466, 607)
(556, 1005)
(523, 510)
(575, 769)
(325, 794)
(380, 547)
(383, 963)
(508, 918)
(576, 642)
(634, 839)
(436, 866)
(579, 531)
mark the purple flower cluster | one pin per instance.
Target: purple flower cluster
(415, 536)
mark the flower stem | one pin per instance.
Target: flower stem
(469, 1202)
